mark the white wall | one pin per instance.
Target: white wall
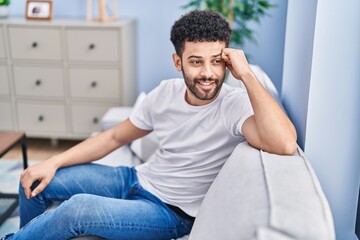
(333, 130)
(297, 62)
(329, 118)
(270, 35)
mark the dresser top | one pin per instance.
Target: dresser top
(65, 22)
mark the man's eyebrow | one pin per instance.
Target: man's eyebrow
(213, 56)
(193, 56)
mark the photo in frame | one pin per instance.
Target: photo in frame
(38, 9)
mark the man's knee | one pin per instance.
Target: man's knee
(78, 206)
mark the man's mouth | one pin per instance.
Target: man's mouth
(206, 84)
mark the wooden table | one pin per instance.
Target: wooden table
(8, 140)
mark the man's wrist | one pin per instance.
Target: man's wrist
(56, 161)
(248, 77)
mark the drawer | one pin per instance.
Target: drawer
(35, 43)
(92, 45)
(95, 83)
(39, 81)
(4, 81)
(86, 118)
(41, 117)
(2, 44)
(6, 120)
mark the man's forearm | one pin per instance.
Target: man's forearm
(100, 145)
(269, 129)
(275, 129)
(89, 150)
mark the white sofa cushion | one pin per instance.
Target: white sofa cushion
(261, 76)
(263, 79)
(142, 148)
(117, 114)
(260, 196)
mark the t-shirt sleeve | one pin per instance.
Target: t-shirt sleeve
(141, 116)
(237, 108)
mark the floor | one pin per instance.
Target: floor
(41, 149)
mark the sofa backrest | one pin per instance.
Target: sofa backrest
(264, 196)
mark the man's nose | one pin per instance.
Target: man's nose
(206, 71)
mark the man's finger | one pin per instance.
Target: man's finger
(225, 57)
(27, 191)
(26, 184)
(39, 188)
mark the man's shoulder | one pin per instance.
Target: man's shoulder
(167, 88)
(172, 83)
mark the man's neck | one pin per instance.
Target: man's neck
(191, 99)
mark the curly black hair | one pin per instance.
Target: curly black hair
(199, 26)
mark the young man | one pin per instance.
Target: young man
(198, 121)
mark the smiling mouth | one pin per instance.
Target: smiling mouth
(206, 85)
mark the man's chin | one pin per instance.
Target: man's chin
(206, 97)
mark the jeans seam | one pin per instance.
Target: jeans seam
(129, 226)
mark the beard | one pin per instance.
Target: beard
(194, 85)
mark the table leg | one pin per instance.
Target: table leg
(23, 142)
(12, 206)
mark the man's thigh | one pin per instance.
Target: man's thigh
(119, 219)
(91, 179)
(83, 214)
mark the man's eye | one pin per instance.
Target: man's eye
(196, 62)
(218, 61)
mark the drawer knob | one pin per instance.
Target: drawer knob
(95, 120)
(91, 46)
(41, 118)
(93, 84)
(38, 82)
(34, 44)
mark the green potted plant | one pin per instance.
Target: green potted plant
(238, 12)
(4, 8)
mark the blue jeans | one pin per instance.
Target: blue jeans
(98, 200)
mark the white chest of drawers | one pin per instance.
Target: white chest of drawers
(58, 78)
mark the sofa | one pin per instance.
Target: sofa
(256, 195)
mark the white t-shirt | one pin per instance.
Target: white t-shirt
(194, 141)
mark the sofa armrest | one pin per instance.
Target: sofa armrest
(261, 196)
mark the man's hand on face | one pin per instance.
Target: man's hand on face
(235, 61)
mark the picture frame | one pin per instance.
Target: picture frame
(39, 10)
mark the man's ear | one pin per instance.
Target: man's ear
(177, 61)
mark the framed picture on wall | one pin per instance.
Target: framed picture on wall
(38, 9)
